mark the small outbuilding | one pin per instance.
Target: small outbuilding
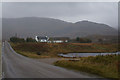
(52, 39)
(58, 40)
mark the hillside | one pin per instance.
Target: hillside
(85, 28)
(31, 26)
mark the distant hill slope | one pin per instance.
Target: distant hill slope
(31, 26)
(85, 28)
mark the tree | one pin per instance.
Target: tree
(77, 39)
(16, 39)
(30, 40)
(100, 40)
(83, 40)
(88, 40)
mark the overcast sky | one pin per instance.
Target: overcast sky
(101, 12)
(60, 0)
(0, 21)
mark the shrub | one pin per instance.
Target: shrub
(30, 40)
(16, 39)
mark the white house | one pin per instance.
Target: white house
(52, 39)
(41, 39)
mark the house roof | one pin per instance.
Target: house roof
(40, 37)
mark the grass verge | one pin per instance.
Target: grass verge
(105, 66)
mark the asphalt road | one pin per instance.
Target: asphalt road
(18, 66)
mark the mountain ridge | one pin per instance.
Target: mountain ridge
(31, 26)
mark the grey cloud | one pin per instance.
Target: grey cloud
(103, 12)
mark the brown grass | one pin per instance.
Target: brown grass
(52, 49)
(89, 44)
(106, 66)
